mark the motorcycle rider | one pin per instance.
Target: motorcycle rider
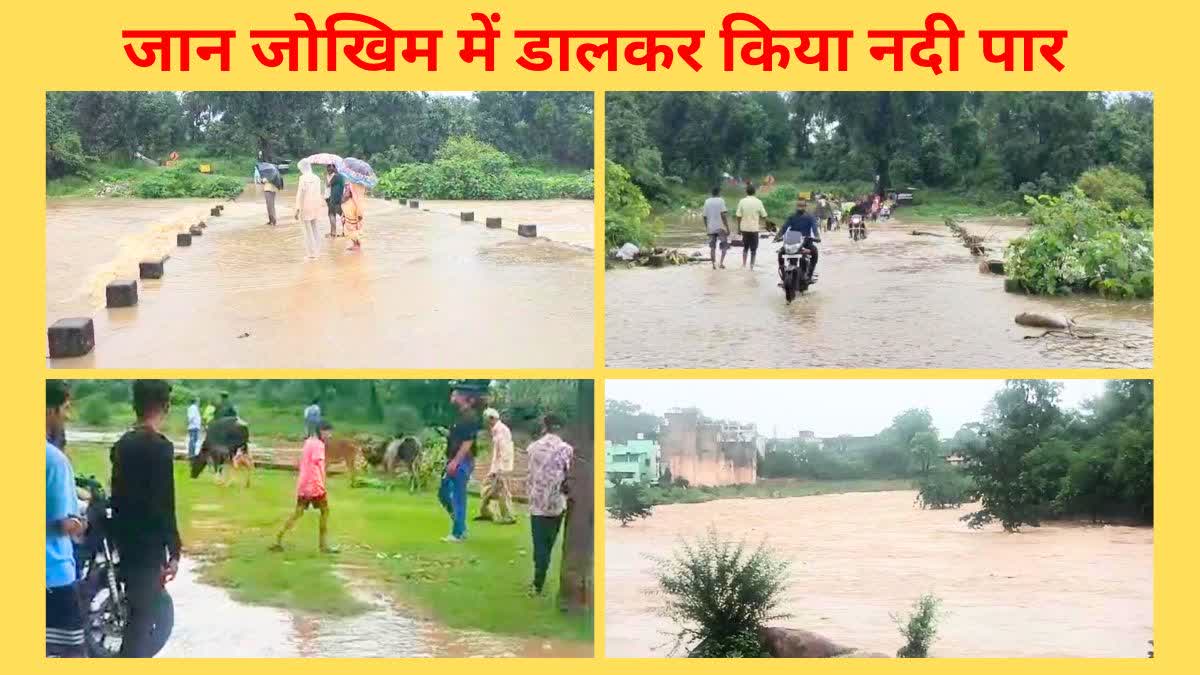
(801, 228)
(143, 520)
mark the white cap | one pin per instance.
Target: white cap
(491, 414)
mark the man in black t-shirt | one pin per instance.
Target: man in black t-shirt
(460, 458)
(143, 520)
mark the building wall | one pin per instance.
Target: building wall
(698, 451)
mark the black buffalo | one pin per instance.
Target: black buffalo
(226, 439)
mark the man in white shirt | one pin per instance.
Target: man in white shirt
(750, 212)
(193, 427)
(717, 225)
(495, 487)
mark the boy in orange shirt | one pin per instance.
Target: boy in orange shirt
(310, 487)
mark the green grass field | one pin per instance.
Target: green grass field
(387, 537)
(133, 171)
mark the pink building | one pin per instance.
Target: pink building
(707, 452)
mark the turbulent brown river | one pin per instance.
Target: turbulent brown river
(427, 290)
(1052, 591)
(894, 300)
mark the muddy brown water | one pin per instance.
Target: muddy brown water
(1061, 590)
(211, 624)
(426, 290)
(892, 301)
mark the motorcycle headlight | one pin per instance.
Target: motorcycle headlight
(791, 248)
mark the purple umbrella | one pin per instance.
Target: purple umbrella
(357, 171)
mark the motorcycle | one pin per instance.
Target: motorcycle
(794, 275)
(858, 228)
(101, 590)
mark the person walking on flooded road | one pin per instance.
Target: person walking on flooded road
(716, 221)
(749, 215)
(310, 205)
(269, 192)
(337, 184)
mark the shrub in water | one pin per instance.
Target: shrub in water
(919, 628)
(627, 502)
(943, 488)
(1116, 188)
(1078, 243)
(625, 210)
(720, 594)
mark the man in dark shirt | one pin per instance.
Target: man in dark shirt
(460, 457)
(802, 225)
(337, 185)
(143, 503)
(225, 407)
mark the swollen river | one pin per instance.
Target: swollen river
(895, 300)
(427, 290)
(1060, 590)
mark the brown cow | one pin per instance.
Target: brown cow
(344, 450)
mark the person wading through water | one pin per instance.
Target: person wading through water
(337, 185)
(143, 508)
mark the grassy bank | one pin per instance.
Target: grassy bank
(774, 488)
(138, 179)
(389, 538)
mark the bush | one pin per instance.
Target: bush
(627, 502)
(465, 168)
(1078, 244)
(720, 594)
(920, 628)
(186, 181)
(780, 202)
(944, 488)
(625, 210)
(117, 391)
(95, 411)
(1110, 185)
(405, 420)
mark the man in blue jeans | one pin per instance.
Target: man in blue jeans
(460, 458)
(194, 425)
(64, 615)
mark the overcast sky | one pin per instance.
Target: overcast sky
(828, 407)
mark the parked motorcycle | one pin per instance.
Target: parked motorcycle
(101, 590)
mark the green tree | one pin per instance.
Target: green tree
(628, 502)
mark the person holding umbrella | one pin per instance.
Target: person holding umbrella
(272, 184)
(359, 177)
(335, 184)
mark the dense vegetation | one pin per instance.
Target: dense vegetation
(93, 138)
(465, 168)
(993, 145)
(274, 407)
(1034, 460)
(1083, 242)
(627, 502)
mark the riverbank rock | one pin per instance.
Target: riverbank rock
(196, 230)
(121, 293)
(1033, 320)
(414, 204)
(71, 337)
(492, 223)
(527, 230)
(466, 216)
(657, 260)
(992, 266)
(794, 643)
(214, 211)
(628, 251)
(183, 239)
